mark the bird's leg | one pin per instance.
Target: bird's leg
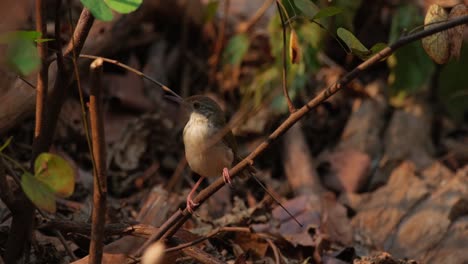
(190, 203)
(226, 176)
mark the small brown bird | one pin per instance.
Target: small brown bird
(208, 151)
(205, 155)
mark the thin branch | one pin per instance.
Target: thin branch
(276, 251)
(215, 233)
(76, 43)
(99, 150)
(116, 229)
(42, 75)
(291, 107)
(180, 217)
(137, 72)
(65, 245)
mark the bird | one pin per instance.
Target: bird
(208, 153)
(210, 147)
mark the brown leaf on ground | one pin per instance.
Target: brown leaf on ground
(251, 241)
(406, 138)
(299, 164)
(386, 207)
(335, 223)
(365, 125)
(428, 223)
(306, 209)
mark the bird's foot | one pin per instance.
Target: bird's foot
(227, 177)
(191, 205)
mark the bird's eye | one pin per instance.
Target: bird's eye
(196, 105)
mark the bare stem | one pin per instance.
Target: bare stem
(42, 75)
(99, 151)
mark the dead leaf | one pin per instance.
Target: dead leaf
(251, 241)
(436, 45)
(335, 222)
(456, 33)
(294, 48)
(306, 210)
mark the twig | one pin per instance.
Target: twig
(42, 75)
(65, 245)
(291, 107)
(137, 72)
(99, 150)
(80, 34)
(215, 233)
(276, 251)
(179, 217)
(116, 229)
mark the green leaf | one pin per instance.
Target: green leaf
(7, 142)
(236, 49)
(22, 55)
(39, 193)
(124, 6)
(307, 7)
(99, 9)
(353, 43)
(56, 173)
(328, 12)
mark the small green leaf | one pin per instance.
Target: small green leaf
(56, 173)
(39, 193)
(307, 7)
(328, 12)
(22, 55)
(7, 142)
(99, 9)
(124, 6)
(353, 43)
(236, 49)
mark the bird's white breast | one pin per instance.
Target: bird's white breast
(205, 157)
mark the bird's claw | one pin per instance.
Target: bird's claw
(191, 205)
(227, 177)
